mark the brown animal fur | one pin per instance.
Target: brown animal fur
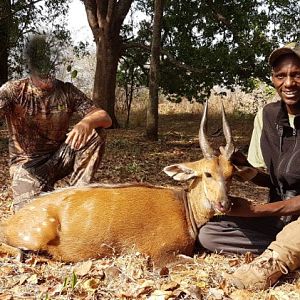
(90, 222)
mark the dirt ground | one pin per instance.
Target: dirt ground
(130, 157)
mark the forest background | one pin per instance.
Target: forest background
(151, 65)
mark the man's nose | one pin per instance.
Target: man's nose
(289, 81)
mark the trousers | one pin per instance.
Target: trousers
(226, 234)
(39, 174)
(238, 235)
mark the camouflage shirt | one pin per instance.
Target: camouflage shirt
(38, 120)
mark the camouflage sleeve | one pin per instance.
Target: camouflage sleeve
(7, 94)
(82, 104)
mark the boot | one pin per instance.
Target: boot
(261, 273)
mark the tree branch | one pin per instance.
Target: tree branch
(91, 13)
(217, 15)
(13, 12)
(111, 10)
(169, 56)
(102, 8)
(123, 7)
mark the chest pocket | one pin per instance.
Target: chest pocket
(59, 108)
(289, 164)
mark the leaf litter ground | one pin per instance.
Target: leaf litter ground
(130, 157)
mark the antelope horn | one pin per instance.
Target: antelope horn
(204, 145)
(229, 148)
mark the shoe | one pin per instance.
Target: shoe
(260, 274)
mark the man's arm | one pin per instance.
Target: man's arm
(255, 161)
(8, 93)
(244, 168)
(244, 208)
(97, 118)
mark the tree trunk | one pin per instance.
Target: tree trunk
(105, 77)
(105, 18)
(5, 11)
(152, 107)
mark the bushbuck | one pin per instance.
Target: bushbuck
(79, 223)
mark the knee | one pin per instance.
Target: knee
(207, 238)
(97, 138)
(100, 134)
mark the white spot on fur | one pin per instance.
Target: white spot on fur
(207, 204)
(44, 209)
(52, 220)
(26, 238)
(45, 224)
(39, 229)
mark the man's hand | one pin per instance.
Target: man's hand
(241, 207)
(78, 136)
(239, 159)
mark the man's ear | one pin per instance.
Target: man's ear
(180, 172)
(243, 173)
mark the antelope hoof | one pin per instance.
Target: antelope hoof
(12, 251)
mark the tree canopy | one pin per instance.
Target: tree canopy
(214, 42)
(20, 18)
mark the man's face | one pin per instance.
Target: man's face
(286, 80)
(45, 83)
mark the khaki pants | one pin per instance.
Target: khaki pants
(39, 174)
(287, 245)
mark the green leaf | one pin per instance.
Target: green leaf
(73, 280)
(74, 74)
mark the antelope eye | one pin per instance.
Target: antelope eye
(207, 174)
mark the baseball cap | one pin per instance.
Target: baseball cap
(293, 48)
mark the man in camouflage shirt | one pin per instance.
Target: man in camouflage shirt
(38, 110)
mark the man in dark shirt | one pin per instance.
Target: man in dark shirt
(270, 229)
(38, 110)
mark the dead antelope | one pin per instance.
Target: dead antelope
(98, 221)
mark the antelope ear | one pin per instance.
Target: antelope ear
(180, 172)
(243, 173)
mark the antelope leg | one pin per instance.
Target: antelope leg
(12, 251)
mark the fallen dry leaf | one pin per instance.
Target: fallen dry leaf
(164, 271)
(146, 290)
(6, 297)
(170, 286)
(194, 291)
(7, 270)
(83, 268)
(112, 273)
(33, 279)
(216, 294)
(91, 284)
(160, 295)
(130, 157)
(34, 260)
(23, 278)
(44, 288)
(249, 257)
(234, 262)
(241, 295)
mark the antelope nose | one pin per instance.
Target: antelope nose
(223, 206)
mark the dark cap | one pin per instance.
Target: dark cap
(291, 48)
